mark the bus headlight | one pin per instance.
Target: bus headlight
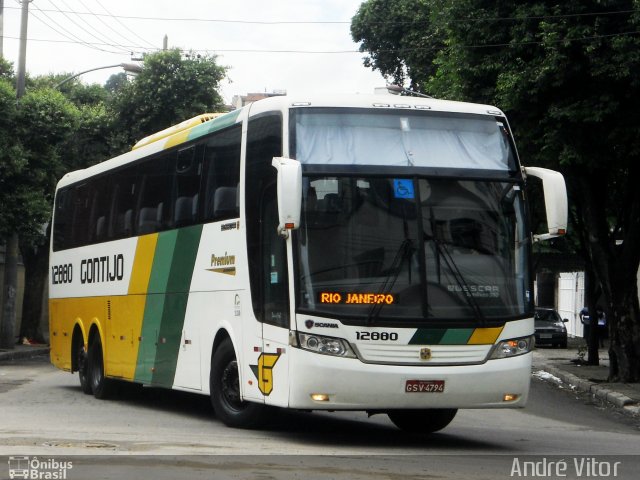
(325, 345)
(512, 347)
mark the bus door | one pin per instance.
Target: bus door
(275, 305)
(266, 252)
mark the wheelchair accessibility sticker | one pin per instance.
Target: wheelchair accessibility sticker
(403, 188)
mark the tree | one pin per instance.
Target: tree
(44, 123)
(400, 38)
(565, 73)
(170, 88)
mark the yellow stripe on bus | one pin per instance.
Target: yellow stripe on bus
(129, 309)
(141, 272)
(485, 336)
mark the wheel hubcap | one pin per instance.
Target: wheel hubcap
(231, 386)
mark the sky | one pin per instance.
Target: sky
(268, 45)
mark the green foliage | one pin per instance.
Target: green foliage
(31, 164)
(168, 90)
(400, 38)
(6, 69)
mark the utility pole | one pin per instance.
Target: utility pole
(22, 55)
(10, 290)
(165, 42)
(1, 28)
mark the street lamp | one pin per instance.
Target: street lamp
(128, 67)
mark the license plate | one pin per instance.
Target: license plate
(546, 335)
(424, 386)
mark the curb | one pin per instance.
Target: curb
(23, 353)
(618, 400)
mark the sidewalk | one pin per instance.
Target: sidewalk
(22, 352)
(559, 366)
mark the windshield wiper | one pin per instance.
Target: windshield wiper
(404, 251)
(442, 250)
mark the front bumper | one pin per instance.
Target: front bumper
(353, 385)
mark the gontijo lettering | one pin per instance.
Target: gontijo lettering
(357, 298)
(102, 269)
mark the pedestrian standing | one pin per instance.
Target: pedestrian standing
(602, 325)
(585, 319)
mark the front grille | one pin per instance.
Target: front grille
(410, 354)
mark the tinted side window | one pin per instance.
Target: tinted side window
(152, 212)
(62, 219)
(267, 273)
(186, 186)
(125, 186)
(80, 224)
(222, 170)
(100, 208)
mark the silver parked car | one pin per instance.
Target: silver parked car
(550, 328)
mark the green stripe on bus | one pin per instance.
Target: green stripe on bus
(155, 305)
(457, 336)
(427, 336)
(214, 125)
(442, 336)
(179, 282)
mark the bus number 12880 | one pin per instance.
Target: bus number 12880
(61, 274)
(377, 336)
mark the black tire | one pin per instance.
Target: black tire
(225, 391)
(422, 421)
(83, 366)
(101, 386)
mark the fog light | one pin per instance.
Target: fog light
(319, 397)
(510, 397)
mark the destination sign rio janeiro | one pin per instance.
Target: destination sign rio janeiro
(356, 298)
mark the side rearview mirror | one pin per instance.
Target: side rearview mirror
(565, 320)
(289, 191)
(555, 201)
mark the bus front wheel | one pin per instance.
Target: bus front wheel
(101, 386)
(422, 421)
(225, 391)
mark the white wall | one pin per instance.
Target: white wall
(571, 300)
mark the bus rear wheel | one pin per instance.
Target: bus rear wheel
(101, 386)
(225, 391)
(83, 366)
(422, 421)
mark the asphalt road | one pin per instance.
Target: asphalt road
(172, 434)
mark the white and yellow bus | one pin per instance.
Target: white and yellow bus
(368, 252)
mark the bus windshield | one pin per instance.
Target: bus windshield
(330, 136)
(412, 249)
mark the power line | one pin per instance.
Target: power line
(324, 52)
(74, 38)
(109, 14)
(99, 18)
(100, 38)
(89, 24)
(331, 22)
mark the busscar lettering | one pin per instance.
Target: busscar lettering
(476, 291)
(102, 269)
